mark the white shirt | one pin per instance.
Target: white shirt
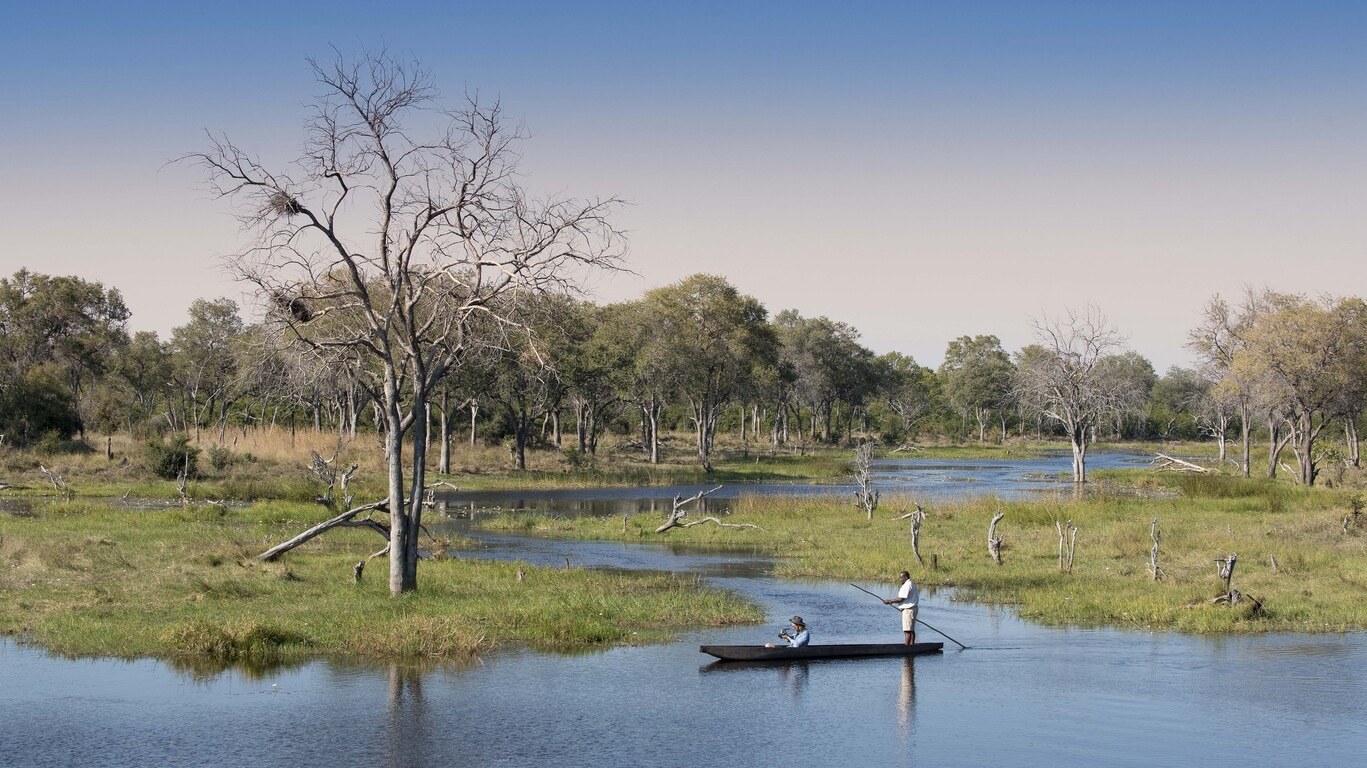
(910, 595)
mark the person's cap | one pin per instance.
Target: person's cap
(798, 621)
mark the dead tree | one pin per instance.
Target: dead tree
(58, 482)
(865, 496)
(677, 514)
(396, 243)
(1154, 534)
(994, 542)
(916, 518)
(1067, 544)
(327, 474)
(1233, 596)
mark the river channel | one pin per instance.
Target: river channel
(1020, 695)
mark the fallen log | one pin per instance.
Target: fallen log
(1165, 462)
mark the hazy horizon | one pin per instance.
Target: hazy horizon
(920, 171)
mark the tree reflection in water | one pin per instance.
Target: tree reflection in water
(406, 726)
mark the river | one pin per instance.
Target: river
(1020, 695)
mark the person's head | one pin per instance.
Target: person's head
(903, 576)
(798, 623)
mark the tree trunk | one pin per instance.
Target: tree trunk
(445, 467)
(581, 425)
(1350, 435)
(399, 582)
(1274, 444)
(653, 429)
(1078, 440)
(1245, 438)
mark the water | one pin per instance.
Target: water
(1021, 695)
(923, 480)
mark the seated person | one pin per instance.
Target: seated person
(798, 639)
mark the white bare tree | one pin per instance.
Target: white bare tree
(378, 248)
(1064, 381)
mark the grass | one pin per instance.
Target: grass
(271, 463)
(1319, 582)
(81, 578)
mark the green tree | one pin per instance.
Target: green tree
(978, 378)
(910, 390)
(70, 326)
(36, 404)
(592, 368)
(1309, 352)
(707, 339)
(829, 366)
(1130, 378)
(1177, 404)
(205, 356)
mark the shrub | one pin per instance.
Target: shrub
(220, 457)
(578, 459)
(168, 460)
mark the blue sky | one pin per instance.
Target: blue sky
(920, 170)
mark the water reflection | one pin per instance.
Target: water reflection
(906, 702)
(406, 717)
(203, 670)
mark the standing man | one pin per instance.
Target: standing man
(908, 597)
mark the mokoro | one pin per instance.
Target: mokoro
(761, 653)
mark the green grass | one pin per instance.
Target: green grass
(83, 579)
(1319, 582)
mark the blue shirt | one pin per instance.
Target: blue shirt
(799, 640)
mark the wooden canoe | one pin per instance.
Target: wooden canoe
(784, 653)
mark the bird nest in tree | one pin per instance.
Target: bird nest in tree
(282, 204)
(292, 305)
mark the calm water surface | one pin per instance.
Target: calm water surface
(1021, 695)
(923, 480)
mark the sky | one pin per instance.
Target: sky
(919, 170)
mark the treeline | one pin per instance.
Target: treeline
(695, 356)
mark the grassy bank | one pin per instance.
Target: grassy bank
(1318, 582)
(267, 463)
(82, 578)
